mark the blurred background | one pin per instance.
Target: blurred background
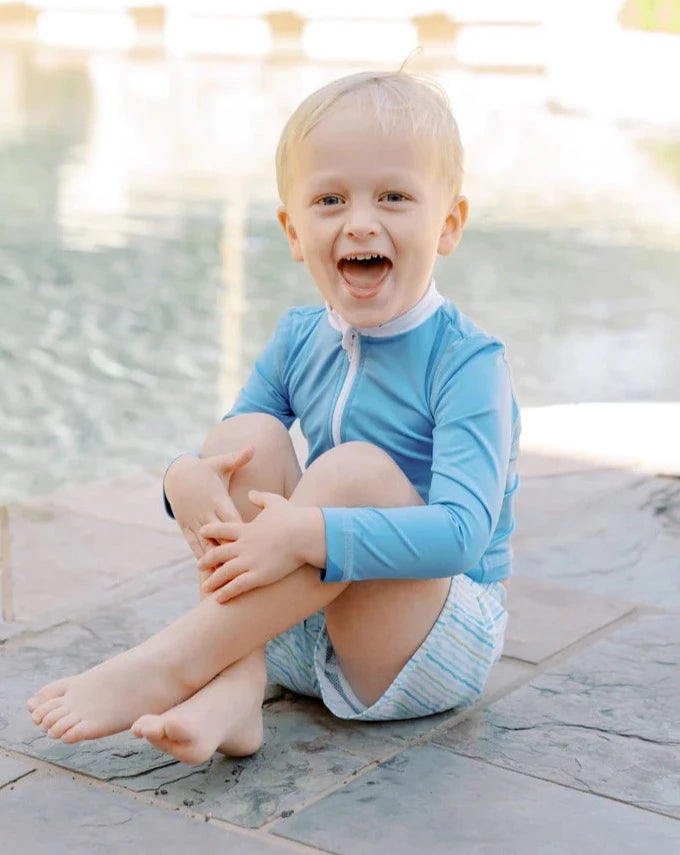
(141, 264)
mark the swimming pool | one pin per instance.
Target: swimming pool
(142, 268)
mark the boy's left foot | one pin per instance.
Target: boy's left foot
(221, 716)
(108, 698)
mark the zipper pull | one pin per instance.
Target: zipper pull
(349, 339)
(355, 345)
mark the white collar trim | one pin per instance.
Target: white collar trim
(414, 317)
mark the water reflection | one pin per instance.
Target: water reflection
(141, 266)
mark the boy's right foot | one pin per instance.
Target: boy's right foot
(225, 715)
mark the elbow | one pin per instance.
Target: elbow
(471, 536)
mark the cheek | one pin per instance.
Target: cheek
(317, 238)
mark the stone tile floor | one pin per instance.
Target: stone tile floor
(575, 746)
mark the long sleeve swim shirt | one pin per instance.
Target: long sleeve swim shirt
(432, 390)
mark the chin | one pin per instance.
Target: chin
(369, 320)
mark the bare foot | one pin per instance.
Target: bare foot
(225, 715)
(106, 699)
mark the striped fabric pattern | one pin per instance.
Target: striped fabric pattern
(447, 671)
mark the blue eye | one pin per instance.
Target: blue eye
(394, 197)
(328, 201)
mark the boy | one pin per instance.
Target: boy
(374, 579)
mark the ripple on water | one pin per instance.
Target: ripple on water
(121, 328)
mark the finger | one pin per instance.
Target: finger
(217, 555)
(229, 463)
(208, 542)
(240, 585)
(245, 455)
(225, 511)
(221, 530)
(220, 577)
(262, 500)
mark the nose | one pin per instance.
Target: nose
(361, 223)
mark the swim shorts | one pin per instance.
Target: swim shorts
(448, 670)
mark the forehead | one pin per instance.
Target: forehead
(350, 140)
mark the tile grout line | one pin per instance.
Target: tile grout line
(76, 617)
(93, 515)
(20, 777)
(47, 769)
(266, 829)
(455, 720)
(429, 736)
(588, 638)
(556, 783)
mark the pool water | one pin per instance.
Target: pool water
(142, 267)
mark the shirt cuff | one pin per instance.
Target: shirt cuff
(166, 503)
(336, 560)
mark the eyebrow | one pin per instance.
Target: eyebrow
(329, 178)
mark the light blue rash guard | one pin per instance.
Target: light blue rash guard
(432, 390)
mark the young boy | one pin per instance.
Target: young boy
(373, 580)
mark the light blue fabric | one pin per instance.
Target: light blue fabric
(448, 670)
(436, 397)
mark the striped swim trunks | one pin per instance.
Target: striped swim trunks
(448, 670)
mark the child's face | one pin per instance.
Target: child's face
(356, 193)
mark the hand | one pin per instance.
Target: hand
(280, 539)
(198, 492)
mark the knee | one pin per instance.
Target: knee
(359, 473)
(258, 429)
(352, 459)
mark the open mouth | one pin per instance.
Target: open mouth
(364, 271)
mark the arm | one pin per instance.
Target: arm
(196, 486)
(472, 442)
(472, 408)
(196, 492)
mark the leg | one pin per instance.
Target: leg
(226, 714)
(184, 657)
(367, 613)
(227, 711)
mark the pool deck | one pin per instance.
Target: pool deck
(575, 746)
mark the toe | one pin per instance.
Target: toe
(53, 717)
(149, 726)
(164, 745)
(183, 751)
(47, 693)
(59, 728)
(176, 730)
(80, 730)
(41, 711)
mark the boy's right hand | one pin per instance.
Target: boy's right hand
(198, 492)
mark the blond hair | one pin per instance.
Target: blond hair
(399, 100)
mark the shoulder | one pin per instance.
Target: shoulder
(294, 330)
(459, 337)
(466, 352)
(298, 320)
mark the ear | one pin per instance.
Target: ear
(454, 224)
(291, 235)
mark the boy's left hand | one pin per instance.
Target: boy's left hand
(280, 539)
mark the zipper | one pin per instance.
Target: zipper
(354, 353)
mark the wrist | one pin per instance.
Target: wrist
(312, 537)
(177, 466)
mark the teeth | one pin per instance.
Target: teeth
(361, 256)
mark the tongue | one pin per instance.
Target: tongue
(364, 274)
